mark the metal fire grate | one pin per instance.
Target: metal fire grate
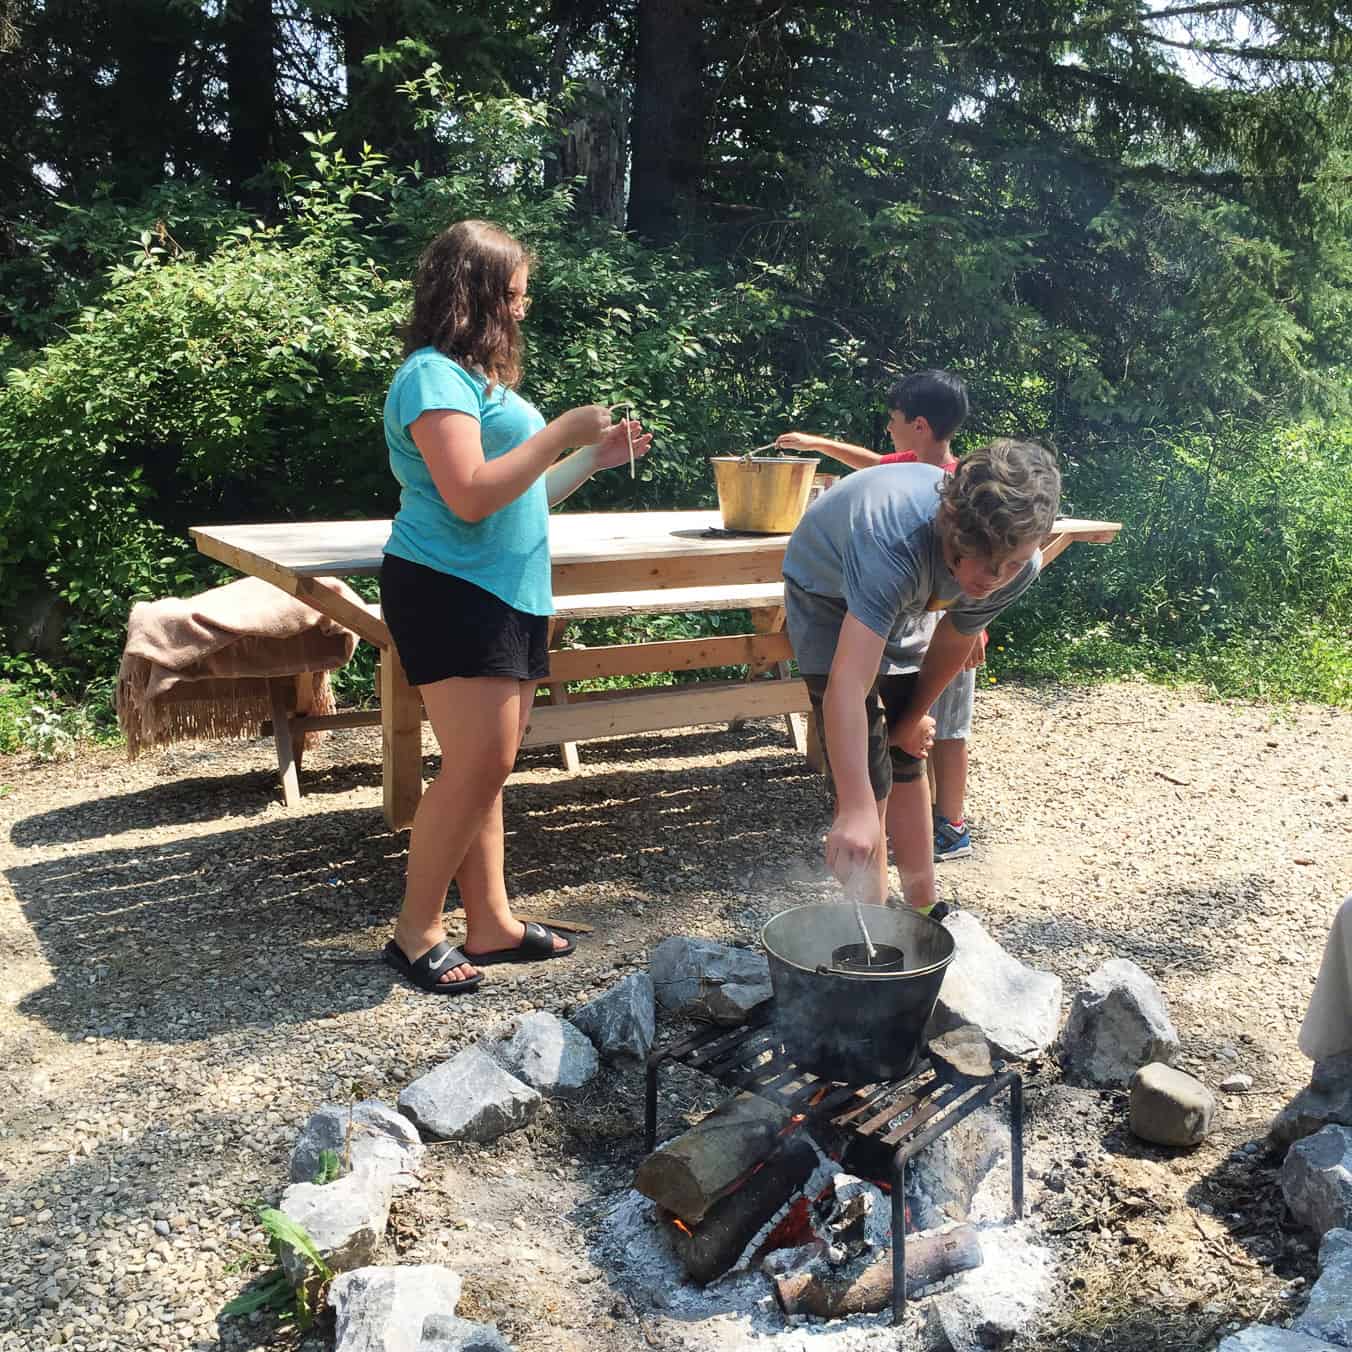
(903, 1115)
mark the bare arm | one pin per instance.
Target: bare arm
(855, 835)
(574, 470)
(844, 451)
(474, 488)
(946, 655)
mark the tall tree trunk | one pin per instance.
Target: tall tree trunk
(250, 29)
(146, 42)
(595, 149)
(669, 120)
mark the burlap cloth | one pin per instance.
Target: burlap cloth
(200, 666)
(1327, 1030)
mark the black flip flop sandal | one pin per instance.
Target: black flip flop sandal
(424, 972)
(537, 945)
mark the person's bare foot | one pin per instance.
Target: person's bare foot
(490, 937)
(414, 945)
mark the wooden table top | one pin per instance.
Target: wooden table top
(353, 548)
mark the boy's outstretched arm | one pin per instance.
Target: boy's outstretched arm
(946, 655)
(844, 451)
(856, 833)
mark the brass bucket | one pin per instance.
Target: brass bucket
(766, 494)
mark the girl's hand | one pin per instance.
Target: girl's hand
(613, 448)
(585, 425)
(794, 441)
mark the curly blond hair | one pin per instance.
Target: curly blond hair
(999, 498)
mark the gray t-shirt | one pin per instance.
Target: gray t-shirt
(869, 547)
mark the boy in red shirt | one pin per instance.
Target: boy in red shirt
(926, 411)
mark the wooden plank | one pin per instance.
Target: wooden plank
(682, 707)
(280, 690)
(401, 724)
(337, 607)
(558, 694)
(687, 654)
(694, 570)
(1054, 547)
(668, 601)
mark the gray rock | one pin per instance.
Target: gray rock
(446, 1333)
(1237, 1084)
(1317, 1180)
(1334, 1245)
(1325, 1101)
(1329, 1313)
(703, 979)
(1117, 1024)
(1017, 1008)
(995, 1303)
(1169, 1107)
(948, 1172)
(345, 1219)
(470, 1097)
(382, 1141)
(382, 1309)
(544, 1052)
(1265, 1338)
(623, 1022)
(966, 1050)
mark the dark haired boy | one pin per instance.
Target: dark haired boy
(926, 411)
(865, 570)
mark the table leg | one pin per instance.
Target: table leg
(771, 621)
(558, 694)
(278, 689)
(401, 738)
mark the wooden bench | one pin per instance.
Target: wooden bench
(579, 717)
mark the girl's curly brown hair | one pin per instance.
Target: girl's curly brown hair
(1000, 497)
(461, 304)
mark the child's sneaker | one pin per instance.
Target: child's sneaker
(950, 842)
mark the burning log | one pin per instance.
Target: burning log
(688, 1175)
(929, 1258)
(710, 1249)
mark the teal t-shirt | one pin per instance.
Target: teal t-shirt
(507, 553)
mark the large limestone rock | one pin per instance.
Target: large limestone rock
(1325, 1101)
(470, 1097)
(1016, 1007)
(703, 979)
(1317, 1180)
(371, 1134)
(382, 1309)
(446, 1333)
(999, 1301)
(1117, 1024)
(1329, 1313)
(1169, 1107)
(545, 1053)
(345, 1219)
(1265, 1338)
(623, 1022)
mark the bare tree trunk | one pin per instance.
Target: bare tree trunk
(595, 149)
(669, 121)
(251, 95)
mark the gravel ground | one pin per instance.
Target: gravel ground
(174, 1004)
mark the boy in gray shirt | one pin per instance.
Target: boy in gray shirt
(869, 563)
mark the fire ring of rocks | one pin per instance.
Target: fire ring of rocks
(778, 1210)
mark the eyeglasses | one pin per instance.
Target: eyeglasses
(522, 303)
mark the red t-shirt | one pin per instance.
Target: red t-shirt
(911, 458)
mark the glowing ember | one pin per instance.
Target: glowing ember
(681, 1225)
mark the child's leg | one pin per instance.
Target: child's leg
(952, 713)
(950, 776)
(910, 828)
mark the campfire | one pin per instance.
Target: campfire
(804, 1179)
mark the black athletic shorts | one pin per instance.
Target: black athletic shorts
(884, 705)
(443, 626)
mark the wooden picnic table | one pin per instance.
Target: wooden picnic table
(604, 564)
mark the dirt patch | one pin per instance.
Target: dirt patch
(175, 1003)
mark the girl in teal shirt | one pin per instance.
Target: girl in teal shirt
(465, 586)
